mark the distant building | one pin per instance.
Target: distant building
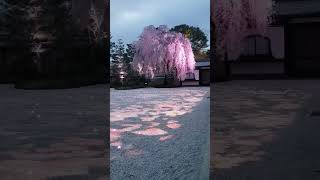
(290, 45)
(201, 74)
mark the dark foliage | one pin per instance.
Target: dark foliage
(123, 76)
(195, 35)
(68, 55)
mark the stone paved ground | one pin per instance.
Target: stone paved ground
(53, 134)
(160, 133)
(263, 130)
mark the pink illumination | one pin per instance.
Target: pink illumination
(114, 135)
(171, 122)
(164, 138)
(151, 132)
(174, 126)
(147, 113)
(153, 124)
(236, 19)
(168, 104)
(159, 51)
(117, 144)
(129, 127)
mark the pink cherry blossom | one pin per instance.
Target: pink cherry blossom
(161, 52)
(236, 19)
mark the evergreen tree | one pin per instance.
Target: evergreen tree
(196, 36)
(98, 38)
(17, 20)
(117, 57)
(60, 25)
(96, 30)
(60, 22)
(128, 58)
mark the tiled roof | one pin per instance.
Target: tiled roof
(202, 59)
(297, 7)
(202, 62)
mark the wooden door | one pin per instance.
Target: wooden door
(304, 49)
(204, 77)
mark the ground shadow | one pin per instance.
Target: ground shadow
(52, 132)
(261, 133)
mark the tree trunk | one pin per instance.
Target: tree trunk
(166, 75)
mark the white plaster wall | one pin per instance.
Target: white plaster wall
(196, 74)
(276, 35)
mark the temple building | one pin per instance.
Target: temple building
(289, 46)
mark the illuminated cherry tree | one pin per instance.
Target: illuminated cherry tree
(236, 19)
(162, 52)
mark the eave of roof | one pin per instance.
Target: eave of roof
(284, 11)
(202, 63)
(294, 8)
(202, 59)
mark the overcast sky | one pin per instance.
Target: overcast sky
(129, 17)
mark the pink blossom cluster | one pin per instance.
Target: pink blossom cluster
(236, 19)
(161, 52)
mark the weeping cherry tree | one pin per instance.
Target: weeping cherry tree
(161, 52)
(236, 19)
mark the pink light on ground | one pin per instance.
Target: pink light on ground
(148, 111)
(131, 127)
(151, 132)
(148, 118)
(114, 138)
(117, 144)
(114, 135)
(153, 124)
(172, 121)
(145, 111)
(164, 138)
(174, 125)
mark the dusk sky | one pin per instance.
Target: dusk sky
(128, 17)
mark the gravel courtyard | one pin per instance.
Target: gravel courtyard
(160, 133)
(53, 134)
(267, 129)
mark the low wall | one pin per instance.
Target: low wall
(239, 68)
